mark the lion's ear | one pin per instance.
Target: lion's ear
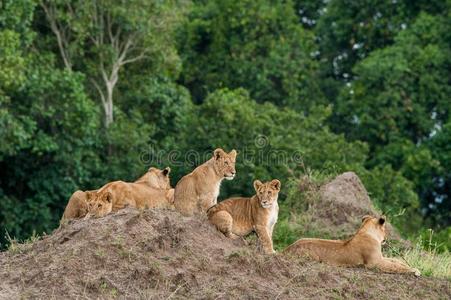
(166, 171)
(233, 153)
(218, 153)
(382, 220)
(275, 183)
(108, 197)
(90, 195)
(257, 185)
(364, 218)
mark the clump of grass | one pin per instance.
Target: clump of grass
(239, 254)
(16, 247)
(428, 257)
(430, 263)
(302, 192)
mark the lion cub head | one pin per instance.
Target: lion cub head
(374, 226)
(224, 163)
(267, 193)
(99, 205)
(157, 178)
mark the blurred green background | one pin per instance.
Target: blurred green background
(94, 91)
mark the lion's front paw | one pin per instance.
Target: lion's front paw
(417, 272)
(269, 251)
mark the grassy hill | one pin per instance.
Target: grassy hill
(159, 254)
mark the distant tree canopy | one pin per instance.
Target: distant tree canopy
(93, 91)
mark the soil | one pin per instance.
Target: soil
(158, 254)
(337, 208)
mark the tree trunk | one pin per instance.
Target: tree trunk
(109, 108)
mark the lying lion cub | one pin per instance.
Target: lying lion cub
(240, 216)
(152, 190)
(364, 248)
(199, 190)
(77, 207)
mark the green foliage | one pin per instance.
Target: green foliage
(435, 240)
(17, 16)
(299, 88)
(271, 142)
(400, 102)
(394, 195)
(60, 123)
(257, 45)
(349, 31)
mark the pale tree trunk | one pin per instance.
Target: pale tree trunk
(125, 49)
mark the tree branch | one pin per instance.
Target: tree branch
(60, 38)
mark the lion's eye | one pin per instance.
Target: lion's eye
(226, 163)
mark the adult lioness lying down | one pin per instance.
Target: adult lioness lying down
(363, 249)
(152, 190)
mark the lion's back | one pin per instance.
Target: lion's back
(76, 206)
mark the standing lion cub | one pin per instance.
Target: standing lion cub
(240, 216)
(198, 191)
(364, 248)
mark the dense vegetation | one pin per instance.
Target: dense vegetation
(92, 91)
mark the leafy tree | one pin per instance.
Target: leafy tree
(400, 101)
(100, 38)
(394, 195)
(55, 155)
(349, 31)
(271, 142)
(257, 45)
(439, 191)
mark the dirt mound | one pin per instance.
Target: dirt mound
(345, 198)
(160, 254)
(338, 206)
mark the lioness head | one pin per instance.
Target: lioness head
(267, 192)
(225, 163)
(159, 179)
(374, 226)
(100, 205)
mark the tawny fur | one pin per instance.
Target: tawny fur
(77, 207)
(152, 190)
(198, 191)
(238, 217)
(363, 249)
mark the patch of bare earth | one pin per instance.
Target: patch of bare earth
(337, 207)
(161, 255)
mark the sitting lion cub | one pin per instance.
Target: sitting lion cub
(240, 216)
(152, 190)
(364, 248)
(198, 191)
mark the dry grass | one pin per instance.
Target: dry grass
(15, 246)
(430, 263)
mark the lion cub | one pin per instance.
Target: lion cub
(240, 216)
(152, 190)
(77, 207)
(364, 248)
(198, 191)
